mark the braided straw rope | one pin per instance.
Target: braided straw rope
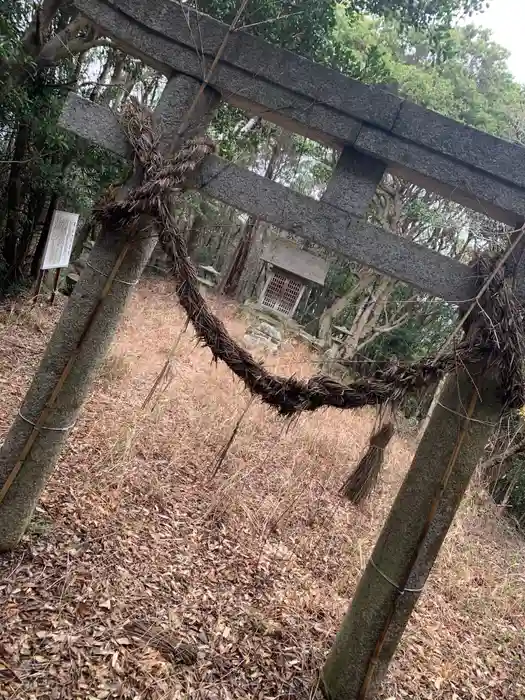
(496, 325)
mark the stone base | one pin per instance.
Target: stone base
(263, 335)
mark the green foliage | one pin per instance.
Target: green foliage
(302, 26)
(50, 162)
(473, 85)
(13, 15)
(305, 26)
(465, 77)
(417, 338)
(233, 144)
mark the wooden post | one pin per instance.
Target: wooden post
(408, 545)
(39, 283)
(56, 278)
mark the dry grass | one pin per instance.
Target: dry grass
(254, 567)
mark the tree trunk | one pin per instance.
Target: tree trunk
(349, 346)
(22, 141)
(44, 235)
(98, 85)
(252, 268)
(132, 78)
(232, 279)
(14, 193)
(332, 312)
(64, 44)
(79, 342)
(150, 90)
(40, 24)
(37, 45)
(112, 89)
(367, 317)
(240, 256)
(12, 245)
(233, 230)
(412, 535)
(36, 204)
(31, 42)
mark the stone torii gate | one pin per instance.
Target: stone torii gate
(375, 131)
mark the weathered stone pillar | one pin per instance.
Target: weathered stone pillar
(412, 535)
(68, 344)
(431, 408)
(354, 181)
(351, 188)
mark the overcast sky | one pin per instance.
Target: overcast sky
(506, 19)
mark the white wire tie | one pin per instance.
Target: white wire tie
(465, 417)
(393, 583)
(116, 279)
(45, 427)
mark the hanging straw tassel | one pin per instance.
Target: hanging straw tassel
(362, 480)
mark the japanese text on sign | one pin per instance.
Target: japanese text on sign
(60, 241)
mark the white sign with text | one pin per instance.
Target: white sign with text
(60, 241)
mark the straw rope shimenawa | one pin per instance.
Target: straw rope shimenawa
(495, 326)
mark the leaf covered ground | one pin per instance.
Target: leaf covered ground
(144, 576)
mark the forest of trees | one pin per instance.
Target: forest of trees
(419, 52)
